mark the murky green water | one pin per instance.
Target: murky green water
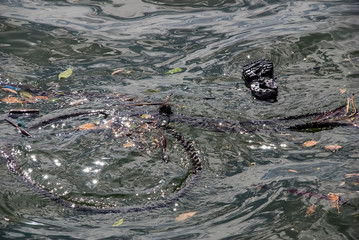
(314, 47)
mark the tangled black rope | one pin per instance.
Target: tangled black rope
(188, 147)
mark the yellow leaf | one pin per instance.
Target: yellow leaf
(11, 100)
(117, 223)
(175, 70)
(309, 143)
(25, 95)
(146, 116)
(333, 148)
(184, 216)
(65, 74)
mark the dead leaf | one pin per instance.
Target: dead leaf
(11, 100)
(116, 71)
(40, 98)
(146, 116)
(333, 148)
(284, 134)
(342, 91)
(129, 144)
(293, 171)
(184, 216)
(334, 199)
(309, 143)
(117, 223)
(9, 90)
(310, 210)
(65, 74)
(77, 102)
(350, 175)
(25, 94)
(30, 100)
(87, 126)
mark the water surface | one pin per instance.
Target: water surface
(314, 48)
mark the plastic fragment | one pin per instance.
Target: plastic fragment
(13, 88)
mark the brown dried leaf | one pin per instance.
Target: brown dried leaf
(293, 171)
(310, 210)
(333, 148)
(310, 143)
(342, 91)
(334, 199)
(350, 175)
(30, 100)
(184, 216)
(40, 98)
(11, 100)
(129, 144)
(87, 126)
(9, 90)
(116, 71)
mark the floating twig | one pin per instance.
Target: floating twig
(24, 111)
(65, 116)
(23, 131)
(165, 156)
(144, 104)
